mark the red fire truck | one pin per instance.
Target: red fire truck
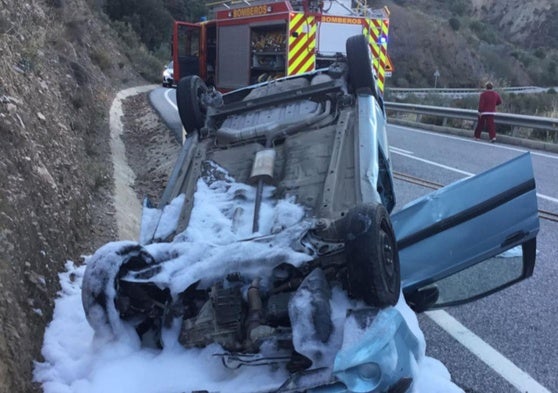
(249, 41)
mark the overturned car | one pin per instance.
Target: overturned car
(275, 240)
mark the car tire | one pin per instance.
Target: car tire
(359, 60)
(373, 271)
(99, 286)
(188, 100)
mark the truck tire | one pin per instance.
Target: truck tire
(373, 272)
(189, 92)
(361, 78)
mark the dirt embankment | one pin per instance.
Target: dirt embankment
(149, 152)
(59, 71)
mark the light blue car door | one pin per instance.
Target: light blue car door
(462, 230)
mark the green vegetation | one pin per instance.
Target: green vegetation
(152, 19)
(484, 32)
(460, 7)
(540, 53)
(101, 59)
(454, 23)
(144, 61)
(536, 104)
(541, 64)
(151, 22)
(145, 28)
(539, 104)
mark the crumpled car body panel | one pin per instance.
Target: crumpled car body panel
(312, 150)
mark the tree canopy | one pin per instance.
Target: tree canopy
(152, 19)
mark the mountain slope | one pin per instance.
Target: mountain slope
(508, 41)
(59, 68)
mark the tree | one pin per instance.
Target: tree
(151, 20)
(455, 24)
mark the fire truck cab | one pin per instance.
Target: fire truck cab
(246, 42)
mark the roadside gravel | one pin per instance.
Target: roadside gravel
(143, 153)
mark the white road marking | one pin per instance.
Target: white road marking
(450, 168)
(522, 381)
(548, 198)
(169, 100)
(486, 353)
(499, 146)
(398, 150)
(171, 103)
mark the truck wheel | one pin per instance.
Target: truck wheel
(373, 272)
(359, 59)
(188, 99)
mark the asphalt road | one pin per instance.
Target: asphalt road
(507, 342)
(163, 101)
(517, 325)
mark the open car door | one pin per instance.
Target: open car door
(186, 46)
(451, 241)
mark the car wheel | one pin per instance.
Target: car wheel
(99, 293)
(188, 99)
(359, 59)
(373, 272)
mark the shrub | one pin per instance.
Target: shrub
(100, 58)
(460, 7)
(540, 53)
(483, 32)
(454, 24)
(56, 3)
(551, 68)
(145, 63)
(74, 30)
(79, 73)
(402, 82)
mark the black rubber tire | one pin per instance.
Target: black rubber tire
(188, 100)
(359, 59)
(373, 271)
(99, 284)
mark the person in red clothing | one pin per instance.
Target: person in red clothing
(488, 101)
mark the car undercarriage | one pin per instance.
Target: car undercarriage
(302, 270)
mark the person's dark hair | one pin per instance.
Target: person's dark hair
(489, 85)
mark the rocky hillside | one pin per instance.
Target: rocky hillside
(512, 42)
(528, 24)
(59, 70)
(60, 67)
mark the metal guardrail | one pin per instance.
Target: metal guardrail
(533, 122)
(453, 92)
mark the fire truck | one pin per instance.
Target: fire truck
(246, 42)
